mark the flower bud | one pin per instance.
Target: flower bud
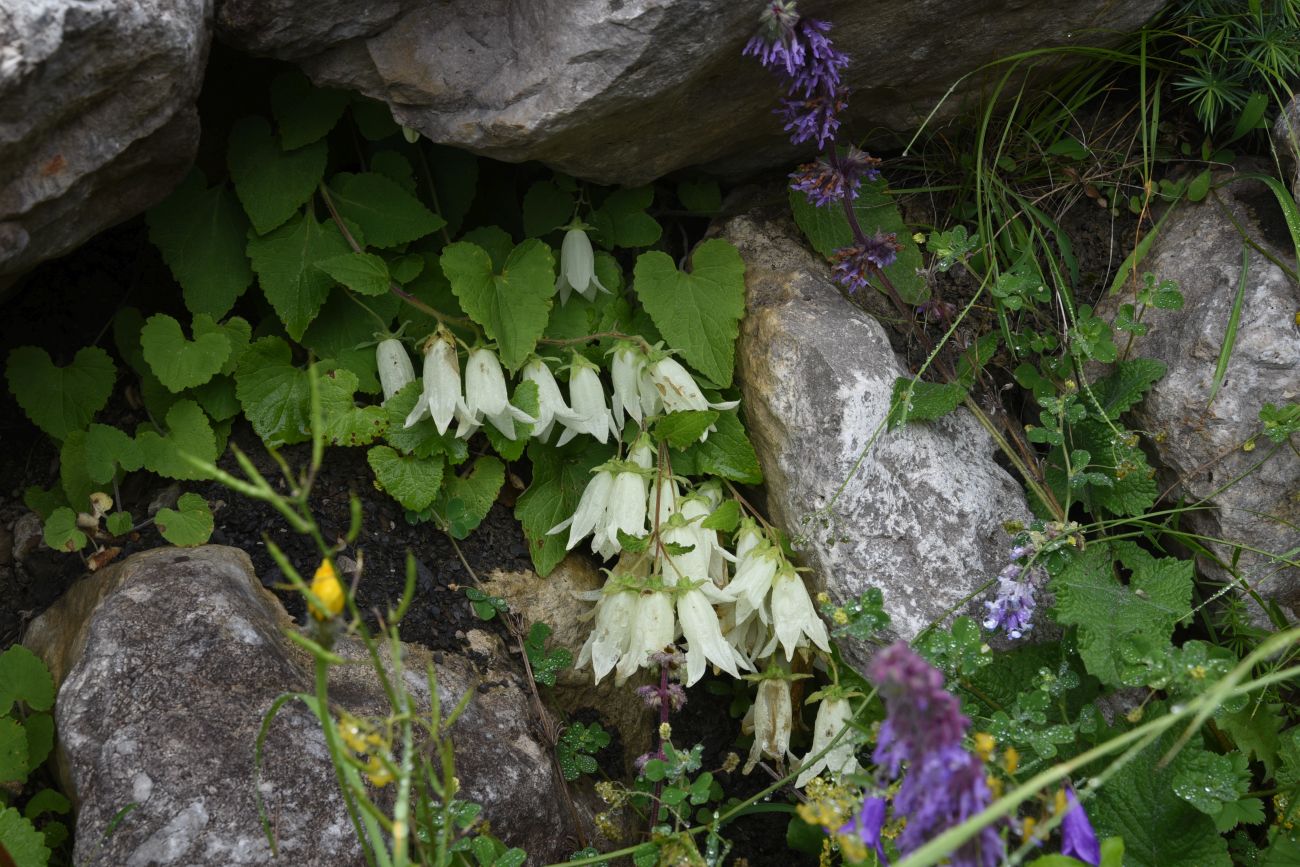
(395, 370)
(577, 267)
(441, 395)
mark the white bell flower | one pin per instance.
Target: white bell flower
(625, 372)
(748, 537)
(663, 499)
(550, 403)
(486, 397)
(395, 370)
(653, 628)
(748, 636)
(592, 506)
(833, 715)
(587, 400)
(609, 639)
(793, 615)
(772, 719)
(441, 397)
(577, 267)
(677, 391)
(755, 571)
(704, 639)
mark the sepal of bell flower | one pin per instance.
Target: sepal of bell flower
(703, 635)
(793, 615)
(653, 629)
(577, 266)
(748, 537)
(678, 391)
(612, 632)
(592, 506)
(833, 715)
(587, 400)
(440, 396)
(773, 718)
(394, 366)
(550, 403)
(625, 371)
(486, 396)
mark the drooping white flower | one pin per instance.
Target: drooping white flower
(587, 400)
(486, 397)
(772, 720)
(704, 639)
(625, 372)
(612, 634)
(577, 267)
(833, 715)
(550, 403)
(591, 508)
(755, 571)
(626, 509)
(663, 499)
(677, 391)
(395, 370)
(793, 615)
(441, 397)
(653, 628)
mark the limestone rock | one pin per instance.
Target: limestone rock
(97, 116)
(1286, 139)
(1201, 451)
(168, 662)
(624, 91)
(921, 517)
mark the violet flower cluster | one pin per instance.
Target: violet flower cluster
(1012, 607)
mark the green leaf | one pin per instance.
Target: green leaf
(1199, 187)
(179, 363)
(73, 475)
(1159, 828)
(1208, 781)
(513, 305)
(703, 197)
(284, 261)
(345, 423)
(922, 401)
(727, 452)
(62, 532)
(271, 184)
(513, 857)
(189, 524)
(525, 398)
(495, 240)
(25, 845)
(119, 523)
(374, 119)
(699, 312)
(39, 728)
(47, 801)
(387, 214)
(465, 500)
(364, 273)
(60, 400)
(188, 433)
(1120, 390)
(14, 763)
(304, 113)
(1254, 729)
(545, 664)
(23, 677)
(218, 398)
(422, 438)
(455, 176)
(621, 220)
(396, 168)
(201, 233)
(1112, 615)
(42, 501)
(546, 208)
(575, 746)
(828, 230)
(413, 482)
(108, 448)
(485, 607)
(275, 395)
(725, 518)
(344, 332)
(680, 429)
(559, 478)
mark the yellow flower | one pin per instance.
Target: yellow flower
(326, 586)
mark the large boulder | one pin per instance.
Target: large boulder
(97, 116)
(1241, 488)
(623, 91)
(168, 662)
(917, 511)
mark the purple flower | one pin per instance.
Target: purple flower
(820, 71)
(812, 117)
(942, 790)
(1012, 608)
(826, 181)
(800, 51)
(867, 826)
(855, 264)
(1078, 840)
(923, 717)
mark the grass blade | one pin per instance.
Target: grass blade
(1234, 320)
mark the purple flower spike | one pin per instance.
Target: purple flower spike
(1012, 610)
(825, 182)
(855, 264)
(867, 826)
(1078, 839)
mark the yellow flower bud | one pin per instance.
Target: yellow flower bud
(327, 588)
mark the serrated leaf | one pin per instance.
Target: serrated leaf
(284, 261)
(271, 184)
(680, 429)
(396, 168)
(344, 332)
(1109, 613)
(922, 401)
(413, 482)
(345, 423)
(703, 197)
(621, 220)
(189, 524)
(304, 113)
(1254, 729)
(201, 234)
(387, 214)
(545, 664)
(466, 500)
(188, 433)
(74, 478)
(108, 448)
(60, 400)
(546, 208)
(1119, 391)
(495, 240)
(1208, 781)
(62, 532)
(524, 398)
(698, 312)
(25, 845)
(218, 398)
(23, 677)
(512, 305)
(39, 728)
(727, 452)
(47, 801)
(828, 230)
(422, 438)
(44, 501)
(725, 518)
(275, 395)
(119, 523)
(364, 273)
(180, 363)
(559, 478)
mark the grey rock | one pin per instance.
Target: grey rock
(624, 91)
(1199, 442)
(921, 516)
(97, 116)
(167, 663)
(28, 534)
(1286, 140)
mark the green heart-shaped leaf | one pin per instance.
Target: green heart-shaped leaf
(271, 184)
(413, 482)
(60, 400)
(188, 433)
(512, 306)
(179, 363)
(190, 523)
(284, 261)
(107, 448)
(62, 532)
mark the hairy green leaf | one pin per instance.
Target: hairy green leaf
(23, 677)
(621, 220)
(271, 184)
(559, 478)
(922, 401)
(304, 113)
(189, 524)
(180, 363)
(512, 305)
(62, 532)
(422, 438)
(275, 395)
(465, 500)
(345, 423)
(681, 429)
(413, 482)
(285, 264)
(108, 448)
(387, 214)
(188, 433)
(60, 400)
(363, 273)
